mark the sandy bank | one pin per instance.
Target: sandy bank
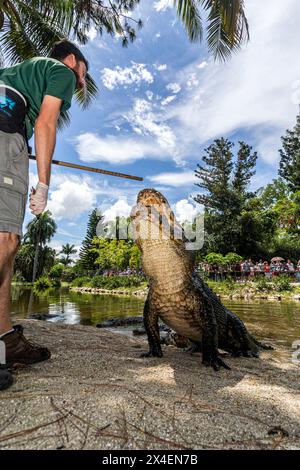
(97, 393)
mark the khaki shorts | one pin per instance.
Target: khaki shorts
(14, 165)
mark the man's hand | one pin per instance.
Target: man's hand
(38, 198)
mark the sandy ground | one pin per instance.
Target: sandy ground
(97, 393)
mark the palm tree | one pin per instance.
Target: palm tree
(67, 250)
(40, 231)
(29, 28)
(227, 26)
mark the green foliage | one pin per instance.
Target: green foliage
(67, 250)
(109, 282)
(262, 284)
(233, 258)
(237, 220)
(56, 272)
(87, 257)
(215, 258)
(118, 254)
(69, 274)
(227, 26)
(282, 283)
(114, 282)
(289, 166)
(30, 28)
(81, 281)
(225, 179)
(43, 283)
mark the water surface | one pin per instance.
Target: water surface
(277, 321)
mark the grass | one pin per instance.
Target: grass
(280, 286)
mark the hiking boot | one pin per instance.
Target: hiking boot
(21, 351)
(6, 379)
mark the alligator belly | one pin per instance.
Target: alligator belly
(184, 324)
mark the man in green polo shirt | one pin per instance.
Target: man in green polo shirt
(32, 96)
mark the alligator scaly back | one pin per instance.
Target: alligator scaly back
(177, 295)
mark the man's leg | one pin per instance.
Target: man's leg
(9, 243)
(17, 348)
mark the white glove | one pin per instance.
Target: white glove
(38, 198)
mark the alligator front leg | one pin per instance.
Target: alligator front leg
(152, 330)
(210, 355)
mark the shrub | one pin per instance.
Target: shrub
(69, 274)
(42, 283)
(233, 258)
(215, 258)
(56, 271)
(283, 283)
(262, 285)
(108, 282)
(81, 281)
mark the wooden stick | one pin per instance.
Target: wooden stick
(89, 168)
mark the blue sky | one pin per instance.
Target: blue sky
(162, 101)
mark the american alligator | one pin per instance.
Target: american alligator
(177, 295)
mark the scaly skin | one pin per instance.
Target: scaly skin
(178, 296)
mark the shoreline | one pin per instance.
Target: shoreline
(96, 392)
(234, 296)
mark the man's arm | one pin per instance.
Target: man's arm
(45, 136)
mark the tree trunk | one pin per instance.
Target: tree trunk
(36, 258)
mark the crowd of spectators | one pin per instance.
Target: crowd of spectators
(249, 270)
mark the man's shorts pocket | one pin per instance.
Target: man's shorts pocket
(13, 198)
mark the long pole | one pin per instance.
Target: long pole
(89, 168)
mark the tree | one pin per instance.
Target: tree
(29, 28)
(39, 231)
(67, 250)
(227, 26)
(225, 182)
(289, 166)
(87, 258)
(117, 254)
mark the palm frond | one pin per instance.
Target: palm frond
(188, 12)
(227, 27)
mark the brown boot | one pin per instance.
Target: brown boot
(20, 350)
(6, 379)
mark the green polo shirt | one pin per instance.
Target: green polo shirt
(37, 77)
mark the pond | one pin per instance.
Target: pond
(277, 321)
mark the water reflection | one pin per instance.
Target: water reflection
(279, 321)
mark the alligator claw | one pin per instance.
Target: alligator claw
(215, 362)
(193, 348)
(152, 353)
(247, 353)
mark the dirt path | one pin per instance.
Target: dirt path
(97, 393)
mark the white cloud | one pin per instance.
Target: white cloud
(162, 5)
(174, 87)
(112, 149)
(142, 117)
(192, 80)
(185, 210)
(119, 76)
(253, 91)
(120, 208)
(160, 67)
(202, 65)
(157, 35)
(70, 200)
(174, 179)
(168, 100)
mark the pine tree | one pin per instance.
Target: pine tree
(225, 181)
(289, 166)
(86, 257)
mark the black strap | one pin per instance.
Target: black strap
(12, 111)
